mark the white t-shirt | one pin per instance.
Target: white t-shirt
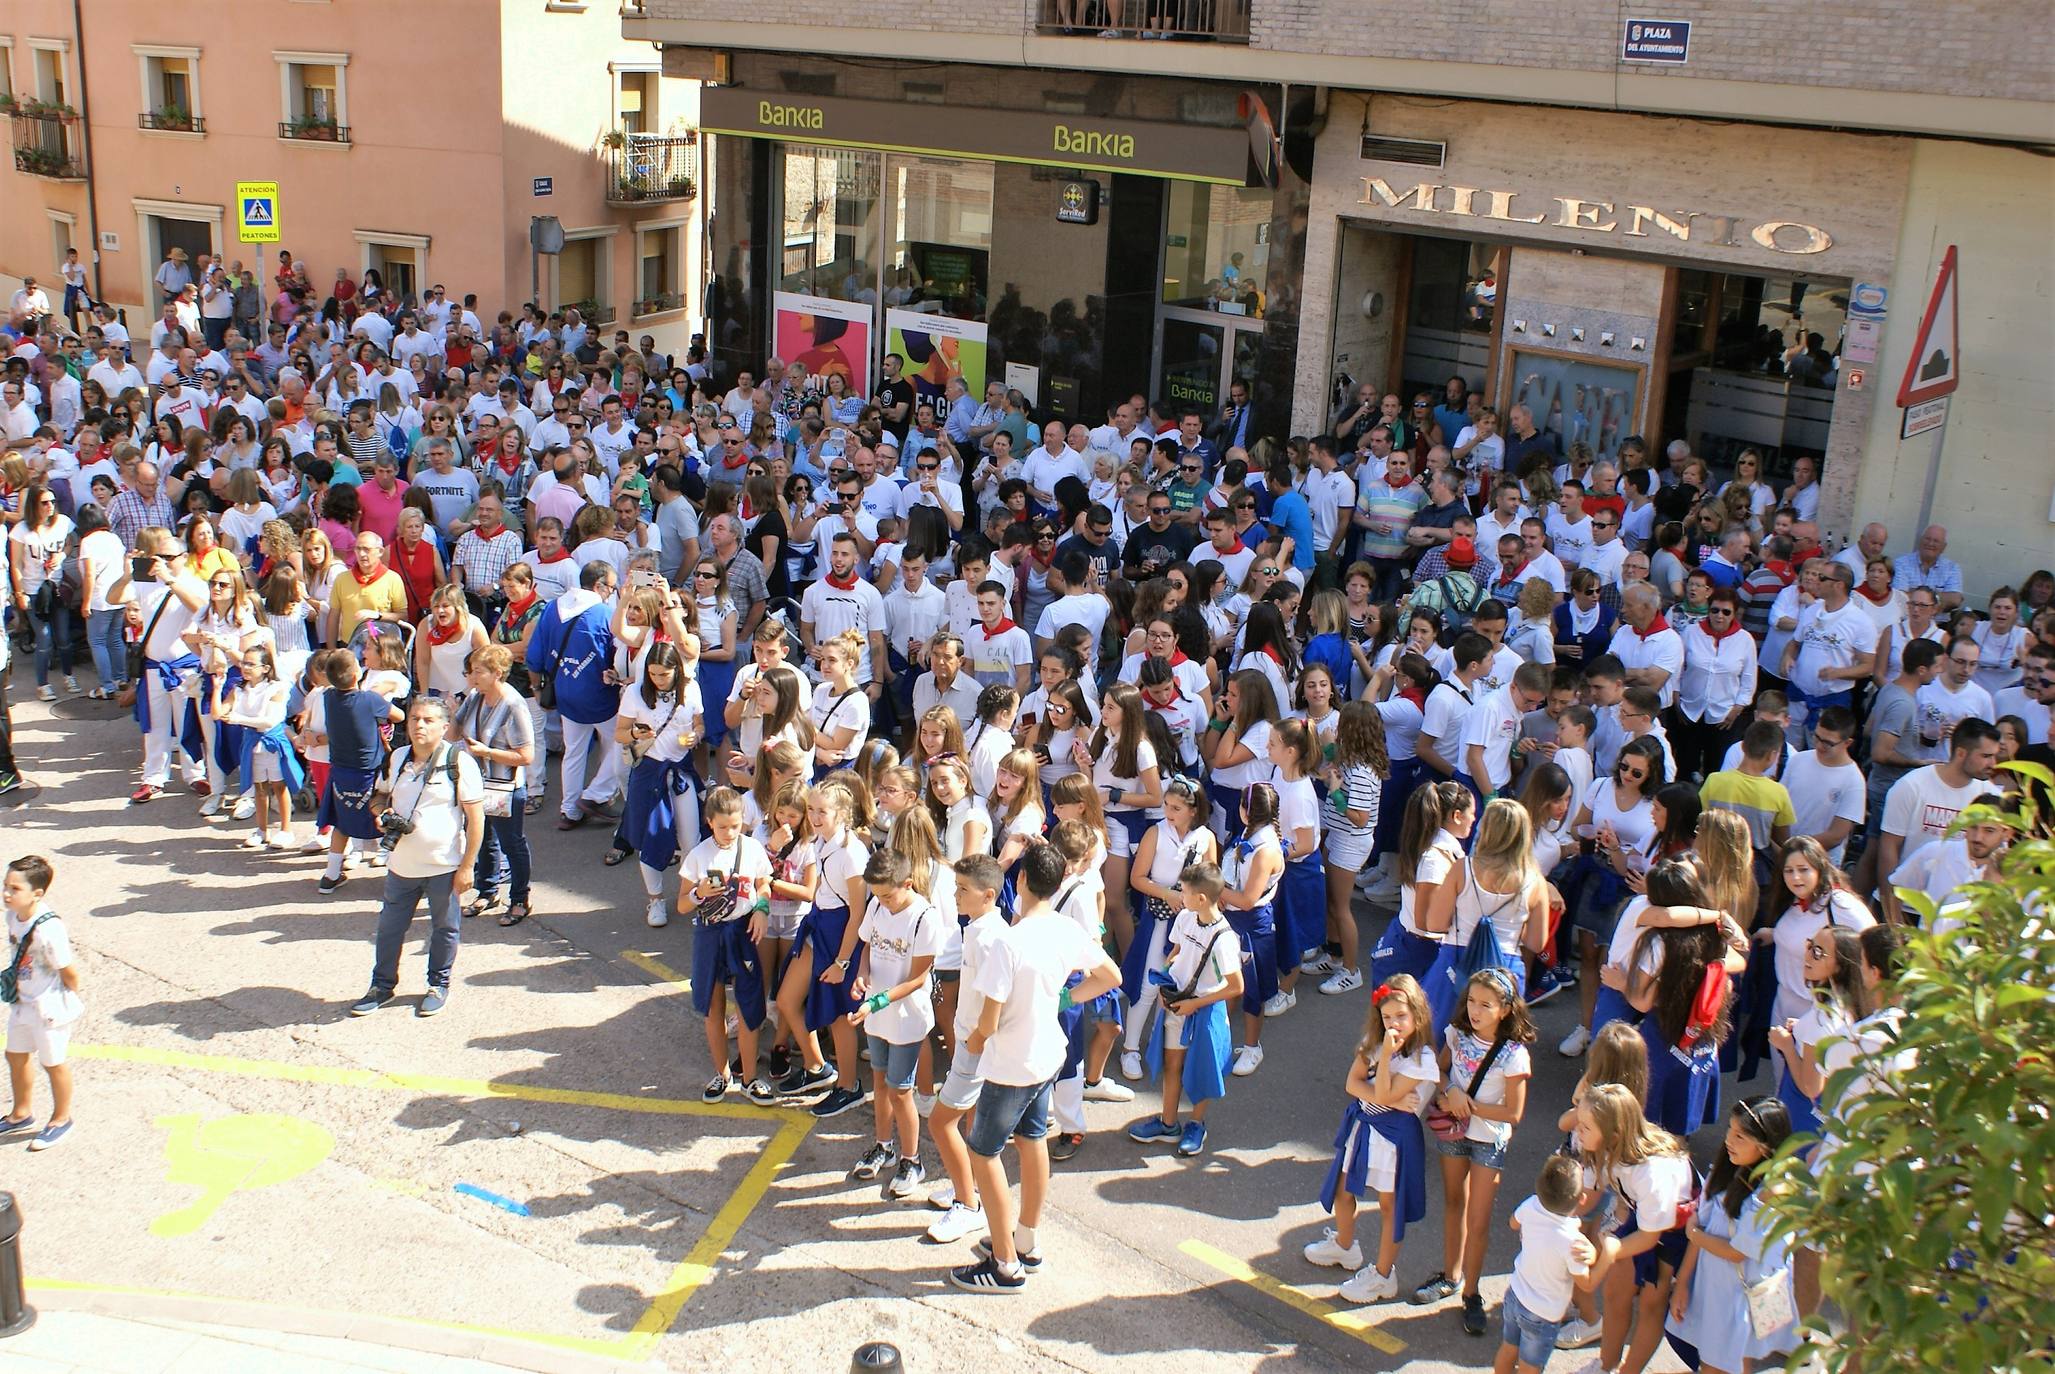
(1794, 930)
(1569, 541)
(896, 939)
(831, 610)
(1466, 1052)
(1026, 970)
(101, 551)
(42, 553)
(1820, 795)
(1185, 955)
(424, 795)
(1448, 708)
(1075, 609)
(840, 857)
(978, 938)
(1655, 1188)
(1442, 856)
(1493, 723)
(1545, 1272)
(49, 952)
(1634, 826)
(1921, 806)
(833, 710)
(746, 862)
(1298, 808)
(669, 718)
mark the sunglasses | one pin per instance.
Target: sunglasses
(1268, 572)
(1187, 467)
(702, 572)
(222, 586)
(928, 467)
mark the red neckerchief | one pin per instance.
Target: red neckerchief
(1042, 560)
(1401, 484)
(1161, 707)
(436, 634)
(1001, 628)
(1733, 627)
(559, 556)
(1705, 1007)
(1239, 547)
(1275, 657)
(1874, 598)
(1177, 656)
(840, 584)
(505, 465)
(1799, 556)
(1506, 577)
(364, 581)
(748, 507)
(489, 534)
(1655, 627)
(516, 609)
(1411, 692)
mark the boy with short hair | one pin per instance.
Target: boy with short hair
(978, 881)
(901, 934)
(1774, 707)
(1202, 970)
(1574, 728)
(1606, 677)
(1554, 1260)
(724, 884)
(41, 989)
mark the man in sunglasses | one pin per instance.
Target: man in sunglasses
(1158, 545)
(931, 487)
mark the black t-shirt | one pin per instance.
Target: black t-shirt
(1151, 554)
(1105, 555)
(890, 394)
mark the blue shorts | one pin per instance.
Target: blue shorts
(724, 954)
(1534, 1337)
(1005, 1112)
(894, 1064)
(1476, 1151)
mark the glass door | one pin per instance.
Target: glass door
(1198, 352)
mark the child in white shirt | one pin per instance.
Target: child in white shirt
(725, 885)
(41, 987)
(900, 936)
(1202, 973)
(1554, 1261)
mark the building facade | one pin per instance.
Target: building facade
(415, 140)
(1616, 220)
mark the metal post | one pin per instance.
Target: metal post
(877, 1357)
(16, 1316)
(1926, 500)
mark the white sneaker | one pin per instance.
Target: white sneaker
(1130, 1065)
(1247, 1060)
(256, 839)
(1347, 980)
(245, 807)
(375, 857)
(71, 686)
(1281, 1003)
(1575, 1043)
(956, 1223)
(1368, 1286)
(1328, 1255)
(212, 806)
(942, 1196)
(1106, 1090)
(282, 840)
(1576, 1333)
(923, 1103)
(1591, 1366)
(659, 913)
(352, 858)
(46, 693)
(1317, 961)
(316, 843)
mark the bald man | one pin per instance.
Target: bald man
(1927, 567)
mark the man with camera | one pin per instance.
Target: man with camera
(430, 826)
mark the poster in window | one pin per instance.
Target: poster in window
(936, 348)
(1578, 399)
(824, 336)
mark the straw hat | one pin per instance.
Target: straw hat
(178, 254)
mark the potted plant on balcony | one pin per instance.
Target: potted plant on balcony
(632, 188)
(42, 162)
(318, 128)
(7, 102)
(681, 187)
(613, 138)
(173, 117)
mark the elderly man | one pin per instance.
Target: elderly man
(144, 503)
(1928, 567)
(1869, 544)
(747, 587)
(1650, 651)
(431, 829)
(1833, 648)
(1526, 445)
(372, 591)
(573, 648)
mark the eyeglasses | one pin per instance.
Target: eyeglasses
(1816, 949)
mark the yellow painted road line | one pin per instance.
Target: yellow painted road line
(1365, 1331)
(431, 1083)
(698, 1266)
(658, 969)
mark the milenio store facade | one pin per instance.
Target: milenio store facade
(1618, 274)
(1078, 238)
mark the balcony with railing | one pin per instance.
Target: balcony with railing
(46, 139)
(171, 120)
(593, 312)
(659, 304)
(313, 129)
(1191, 21)
(650, 167)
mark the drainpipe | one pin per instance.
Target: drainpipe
(85, 125)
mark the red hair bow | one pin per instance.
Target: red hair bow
(1377, 997)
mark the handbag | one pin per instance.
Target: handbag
(1771, 1307)
(546, 685)
(137, 659)
(1446, 1125)
(498, 798)
(10, 985)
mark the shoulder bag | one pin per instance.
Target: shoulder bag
(546, 684)
(1446, 1125)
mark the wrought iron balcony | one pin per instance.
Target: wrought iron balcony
(310, 130)
(1193, 21)
(650, 167)
(657, 305)
(593, 312)
(46, 139)
(171, 120)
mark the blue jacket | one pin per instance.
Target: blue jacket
(581, 650)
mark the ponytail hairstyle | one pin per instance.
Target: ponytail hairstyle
(913, 835)
(1359, 739)
(1417, 673)
(1428, 812)
(1259, 807)
(874, 758)
(1689, 956)
(783, 757)
(1298, 737)
(1625, 1134)
(862, 813)
(1767, 1122)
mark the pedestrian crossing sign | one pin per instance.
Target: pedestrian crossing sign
(256, 211)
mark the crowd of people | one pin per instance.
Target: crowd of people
(1028, 763)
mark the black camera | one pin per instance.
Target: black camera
(392, 828)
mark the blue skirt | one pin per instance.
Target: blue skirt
(1351, 1166)
(1401, 951)
(1406, 776)
(346, 803)
(1669, 1250)
(822, 929)
(723, 953)
(1134, 965)
(1683, 1085)
(1612, 1005)
(1302, 905)
(1257, 931)
(1229, 800)
(1805, 1113)
(649, 822)
(714, 681)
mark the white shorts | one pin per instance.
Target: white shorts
(959, 1091)
(1347, 852)
(264, 766)
(783, 925)
(27, 1030)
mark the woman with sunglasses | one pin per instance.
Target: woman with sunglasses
(1747, 482)
(226, 629)
(1584, 623)
(1716, 686)
(35, 553)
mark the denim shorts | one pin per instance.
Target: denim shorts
(1005, 1112)
(959, 1091)
(1535, 1337)
(1476, 1151)
(894, 1063)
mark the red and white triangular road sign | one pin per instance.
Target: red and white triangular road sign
(1936, 363)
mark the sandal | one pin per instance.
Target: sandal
(616, 856)
(533, 806)
(479, 906)
(514, 914)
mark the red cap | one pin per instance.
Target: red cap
(1462, 552)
